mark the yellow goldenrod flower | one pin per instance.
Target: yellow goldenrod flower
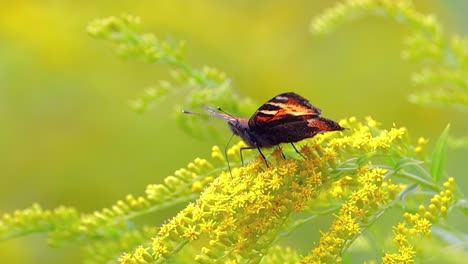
(417, 225)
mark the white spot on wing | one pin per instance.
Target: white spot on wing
(282, 98)
(280, 105)
(269, 112)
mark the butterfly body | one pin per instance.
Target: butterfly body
(286, 118)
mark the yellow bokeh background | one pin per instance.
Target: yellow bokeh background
(68, 137)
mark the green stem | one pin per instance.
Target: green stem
(188, 70)
(173, 252)
(417, 179)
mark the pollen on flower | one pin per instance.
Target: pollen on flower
(389, 258)
(396, 133)
(423, 226)
(406, 254)
(400, 239)
(299, 205)
(275, 182)
(346, 223)
(207, 226)
(329, 154)
(126, 258)
(159, 249)
(189, 209)
(164, 230)
(400, 228)
(191, 232)
(392, 188)
(142, 254)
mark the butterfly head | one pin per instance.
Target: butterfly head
(238, 125)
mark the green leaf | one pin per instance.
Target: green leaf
(407, 191)
(364, 159)
(439, 155)
(462, 204)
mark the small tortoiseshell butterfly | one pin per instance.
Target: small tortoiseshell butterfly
(286, 118)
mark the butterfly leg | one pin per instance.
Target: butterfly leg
(263, 157)
(281, 151)
(240, 151)
(297, 151)
(261, 153)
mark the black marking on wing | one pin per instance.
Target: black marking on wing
(283, 108)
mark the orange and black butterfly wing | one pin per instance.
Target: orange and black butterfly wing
(281, 109)
(295, 131)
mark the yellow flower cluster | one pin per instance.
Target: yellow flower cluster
(367, 138)
(371, 193)
(419, 150)
(239, 214)
(417, 225)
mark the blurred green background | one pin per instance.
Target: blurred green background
(67, 136)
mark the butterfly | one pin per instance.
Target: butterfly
(286, 118)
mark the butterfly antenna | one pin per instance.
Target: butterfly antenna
(224, 112)
(194, 113)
